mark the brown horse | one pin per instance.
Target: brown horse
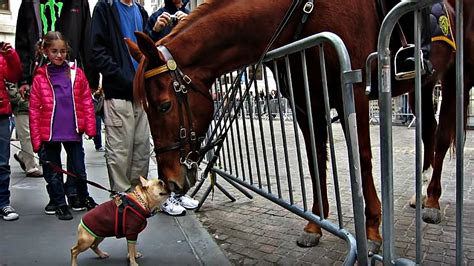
(209, 43)
(436, 145)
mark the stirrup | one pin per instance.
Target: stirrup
(400, 59)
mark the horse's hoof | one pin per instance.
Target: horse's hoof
(307, 240)
(431, 215)
(373, 247)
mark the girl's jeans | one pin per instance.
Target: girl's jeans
(51, 152)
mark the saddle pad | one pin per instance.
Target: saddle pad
(441, 25)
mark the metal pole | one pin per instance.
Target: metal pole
(385, 105)
(459, 131)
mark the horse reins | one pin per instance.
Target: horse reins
(181, 82)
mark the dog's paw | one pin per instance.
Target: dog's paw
(137, 256)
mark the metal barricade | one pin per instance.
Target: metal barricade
(263, 149)
(385, 103)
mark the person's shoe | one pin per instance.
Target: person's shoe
(76, 204)
(63, 213)
(101, 149)
(35, 172)
(186, 201)
(22, 164)
(50, 209)
(8, 213)
(90, 203)
(172, 207)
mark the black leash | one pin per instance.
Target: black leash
(58, 169)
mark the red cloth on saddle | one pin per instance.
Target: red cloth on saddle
(103, 220)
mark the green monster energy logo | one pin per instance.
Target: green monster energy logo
(52, 5)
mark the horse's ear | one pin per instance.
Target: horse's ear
(134, 50)
(147, 46)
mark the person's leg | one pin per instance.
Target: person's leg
(6, 211)
(25, 155)
(119, 128)
(4, 161)
(141, 146)
(76, 158)
(50, 153)
(98, 135)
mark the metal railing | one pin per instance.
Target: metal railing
(264, 153)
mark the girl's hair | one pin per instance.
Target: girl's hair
(46, 41)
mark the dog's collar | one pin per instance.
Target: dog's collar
(141, 201)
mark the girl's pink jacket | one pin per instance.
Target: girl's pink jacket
(42, 105)
(10, 70)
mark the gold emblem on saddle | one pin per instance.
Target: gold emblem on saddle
(171, 64)
(443, 22)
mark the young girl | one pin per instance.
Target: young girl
(61, 110)
(10, 70)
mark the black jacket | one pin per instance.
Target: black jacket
(110, 53)
(171, 9)
(74, 24)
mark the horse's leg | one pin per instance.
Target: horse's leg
(428, 125)
(372, 202)
(445, 136)
(312, 232)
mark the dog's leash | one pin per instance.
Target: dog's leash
(56, 168)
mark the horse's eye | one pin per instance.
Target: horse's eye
(164, 107)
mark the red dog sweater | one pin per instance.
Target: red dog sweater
(120, 217)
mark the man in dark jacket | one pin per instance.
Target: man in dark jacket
(71, 18)
(164, 19)
(127, 148)
(35, 19)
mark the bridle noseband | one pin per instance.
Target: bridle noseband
(181, 83)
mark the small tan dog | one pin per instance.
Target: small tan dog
(132, 209)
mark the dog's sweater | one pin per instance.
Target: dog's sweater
(125, 220)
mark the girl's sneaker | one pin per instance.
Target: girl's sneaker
(8, 213)
(63, 213)
(50, 209)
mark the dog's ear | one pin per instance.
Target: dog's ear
(143, 182)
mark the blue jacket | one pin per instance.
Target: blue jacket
(171, 9)
(110, 55)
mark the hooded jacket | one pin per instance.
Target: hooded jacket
(73, 23)
(110, 52)
(171, 9)
(10, 70)
(42, 106)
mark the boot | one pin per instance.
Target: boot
(426, 65)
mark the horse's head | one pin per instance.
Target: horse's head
(179, 110)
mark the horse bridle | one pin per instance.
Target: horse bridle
(181, 83)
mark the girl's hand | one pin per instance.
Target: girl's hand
(5, 47)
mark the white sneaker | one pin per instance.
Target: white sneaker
(172, 207)
(186, 201)
(8, 213)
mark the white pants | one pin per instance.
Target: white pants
(127, 143)
(22, 123)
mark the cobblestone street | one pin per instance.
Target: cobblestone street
(259, 232)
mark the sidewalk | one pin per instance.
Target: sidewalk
(40, 239)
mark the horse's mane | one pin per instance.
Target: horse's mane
(139, 94)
